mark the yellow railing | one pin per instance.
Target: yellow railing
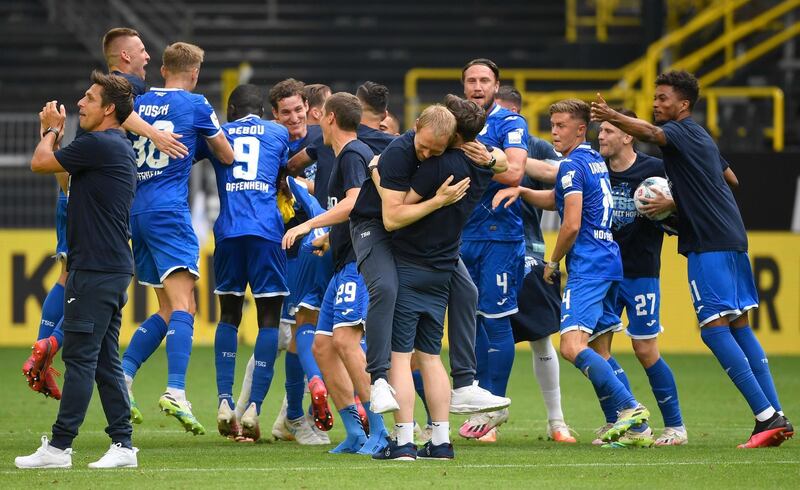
(520, 78)
(603, 18)
(636, 81)
(713, 95)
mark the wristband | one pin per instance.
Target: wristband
(51, 130)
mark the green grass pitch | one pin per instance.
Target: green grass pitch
(716, 416)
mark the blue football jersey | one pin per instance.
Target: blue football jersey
(247, 189)
(163, 182)
(503, 129)
(595, 254)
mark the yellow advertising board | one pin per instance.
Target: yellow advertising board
(27, 272)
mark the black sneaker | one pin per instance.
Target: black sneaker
(406, 452)
(440, 451)
(769, 433)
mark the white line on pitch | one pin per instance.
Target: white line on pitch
(392, 466)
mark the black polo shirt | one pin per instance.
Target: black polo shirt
(396, 166)
(435, 240)
(102, 167)
(349, 172)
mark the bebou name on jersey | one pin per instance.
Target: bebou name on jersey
(255, 129)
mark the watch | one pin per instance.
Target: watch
(53, 130)
(492, 162)
(553, 265)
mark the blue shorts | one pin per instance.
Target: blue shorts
(289, 302)
(345, 303)
(587, 305)
(313, 275)
(163, 242)
(497, 269)
(640, 297)
(61, 229)
(243, 260)
(721, 285)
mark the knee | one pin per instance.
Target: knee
(569, 351)
(231, 317)
(384, 289)
(343, 343)
(319, 348)
(646, 351)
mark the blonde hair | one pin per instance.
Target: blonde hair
(576, 108)
(439, 119)
(182, 57)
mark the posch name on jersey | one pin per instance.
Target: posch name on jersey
(153, 110)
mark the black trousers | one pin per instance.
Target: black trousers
(373, 248)
(93, 304)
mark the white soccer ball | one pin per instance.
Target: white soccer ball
(645, 190)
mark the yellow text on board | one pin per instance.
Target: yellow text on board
(27, 273)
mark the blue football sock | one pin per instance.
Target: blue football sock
(179, 348)
(759, 364)
(619, 373)
(733, 360)
(265, 352)
(481, 355)
(378, 435)
(500, 354)
(58, 332)
(144, 342)
(225, 348)
(304, 340)
(607, 406)
(666, 392)
(420, 389)
(599, 372)
(295, 386)
(356, 437)
(52, 311)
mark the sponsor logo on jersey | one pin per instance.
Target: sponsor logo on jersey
(566, 179)
(515, 136)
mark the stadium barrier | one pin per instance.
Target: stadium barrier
(27, 272)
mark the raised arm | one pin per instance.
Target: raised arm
(638, 128)
(44, 160)
(166, 141)
(517, 158)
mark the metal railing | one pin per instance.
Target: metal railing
(19, 135)
(776, 132)
(157, 21)
(604, 16)
(635, 82)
